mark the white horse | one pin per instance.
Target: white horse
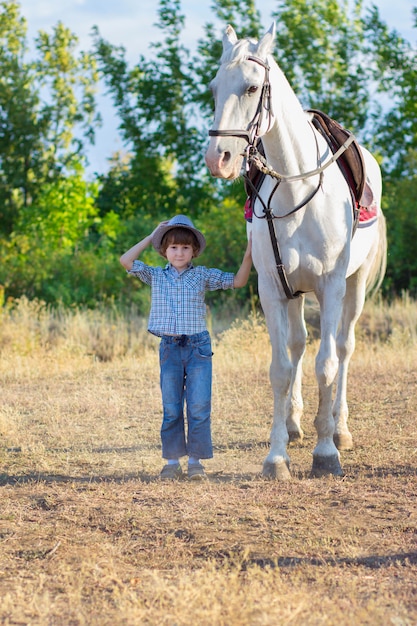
(311, 227)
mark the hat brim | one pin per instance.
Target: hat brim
(163, 229)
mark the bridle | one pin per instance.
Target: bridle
(252, 155)
(252, 133)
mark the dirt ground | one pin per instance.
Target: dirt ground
(89, 535)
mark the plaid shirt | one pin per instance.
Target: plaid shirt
(178, 306)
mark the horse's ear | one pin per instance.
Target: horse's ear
(229, 37)
(266, 44)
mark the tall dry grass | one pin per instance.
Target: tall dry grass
(88, 535)
(32, 329)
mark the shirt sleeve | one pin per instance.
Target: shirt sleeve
(142, 271)
(216, 279)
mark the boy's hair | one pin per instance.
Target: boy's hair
(179, 235)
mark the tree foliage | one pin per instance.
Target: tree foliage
(61, 236)
(47, 110)
(69, 79)
(320, 48)
(159, 116)
(394, 130)
(20, 128)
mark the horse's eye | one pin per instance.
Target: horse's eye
(252, 89)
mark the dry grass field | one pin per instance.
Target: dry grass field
(90, 536)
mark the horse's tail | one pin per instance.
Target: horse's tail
(379, 263)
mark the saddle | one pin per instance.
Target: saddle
(351, 162)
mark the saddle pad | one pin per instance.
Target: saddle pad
(368, 213)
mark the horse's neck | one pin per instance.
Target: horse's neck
(290, 144)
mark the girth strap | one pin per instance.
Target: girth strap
(291, 295)
(252, 188)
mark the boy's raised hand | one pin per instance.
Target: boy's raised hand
(164, 223)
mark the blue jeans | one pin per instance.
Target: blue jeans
(186, 375)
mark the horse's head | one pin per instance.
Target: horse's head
(242, 102)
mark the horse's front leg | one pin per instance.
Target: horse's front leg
(297, 336)
(276, 464)
(326, 458)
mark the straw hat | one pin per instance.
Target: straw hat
(178, 221)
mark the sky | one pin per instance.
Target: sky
(131, 23)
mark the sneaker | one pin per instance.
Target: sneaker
(196, 472)
(171, 472)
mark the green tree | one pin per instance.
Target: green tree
(160, 117)
(394, 127)
(20, 128)
(400, 210)
(47, 110)
(47, 236)
(69, 115)
(319, 46)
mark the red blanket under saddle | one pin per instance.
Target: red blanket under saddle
(367, 213)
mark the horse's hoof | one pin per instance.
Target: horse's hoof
(325, 465)
(276, 471)
(343, 441)
(295, 436)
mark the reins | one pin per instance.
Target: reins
(261, 163)
(251, 135)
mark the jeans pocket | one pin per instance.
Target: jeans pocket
(163, 353)
(204, 350)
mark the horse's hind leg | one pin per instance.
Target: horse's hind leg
(297, 335)
(352, 308)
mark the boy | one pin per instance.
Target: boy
(178, 315)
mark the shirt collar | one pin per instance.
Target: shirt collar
(171, 269)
